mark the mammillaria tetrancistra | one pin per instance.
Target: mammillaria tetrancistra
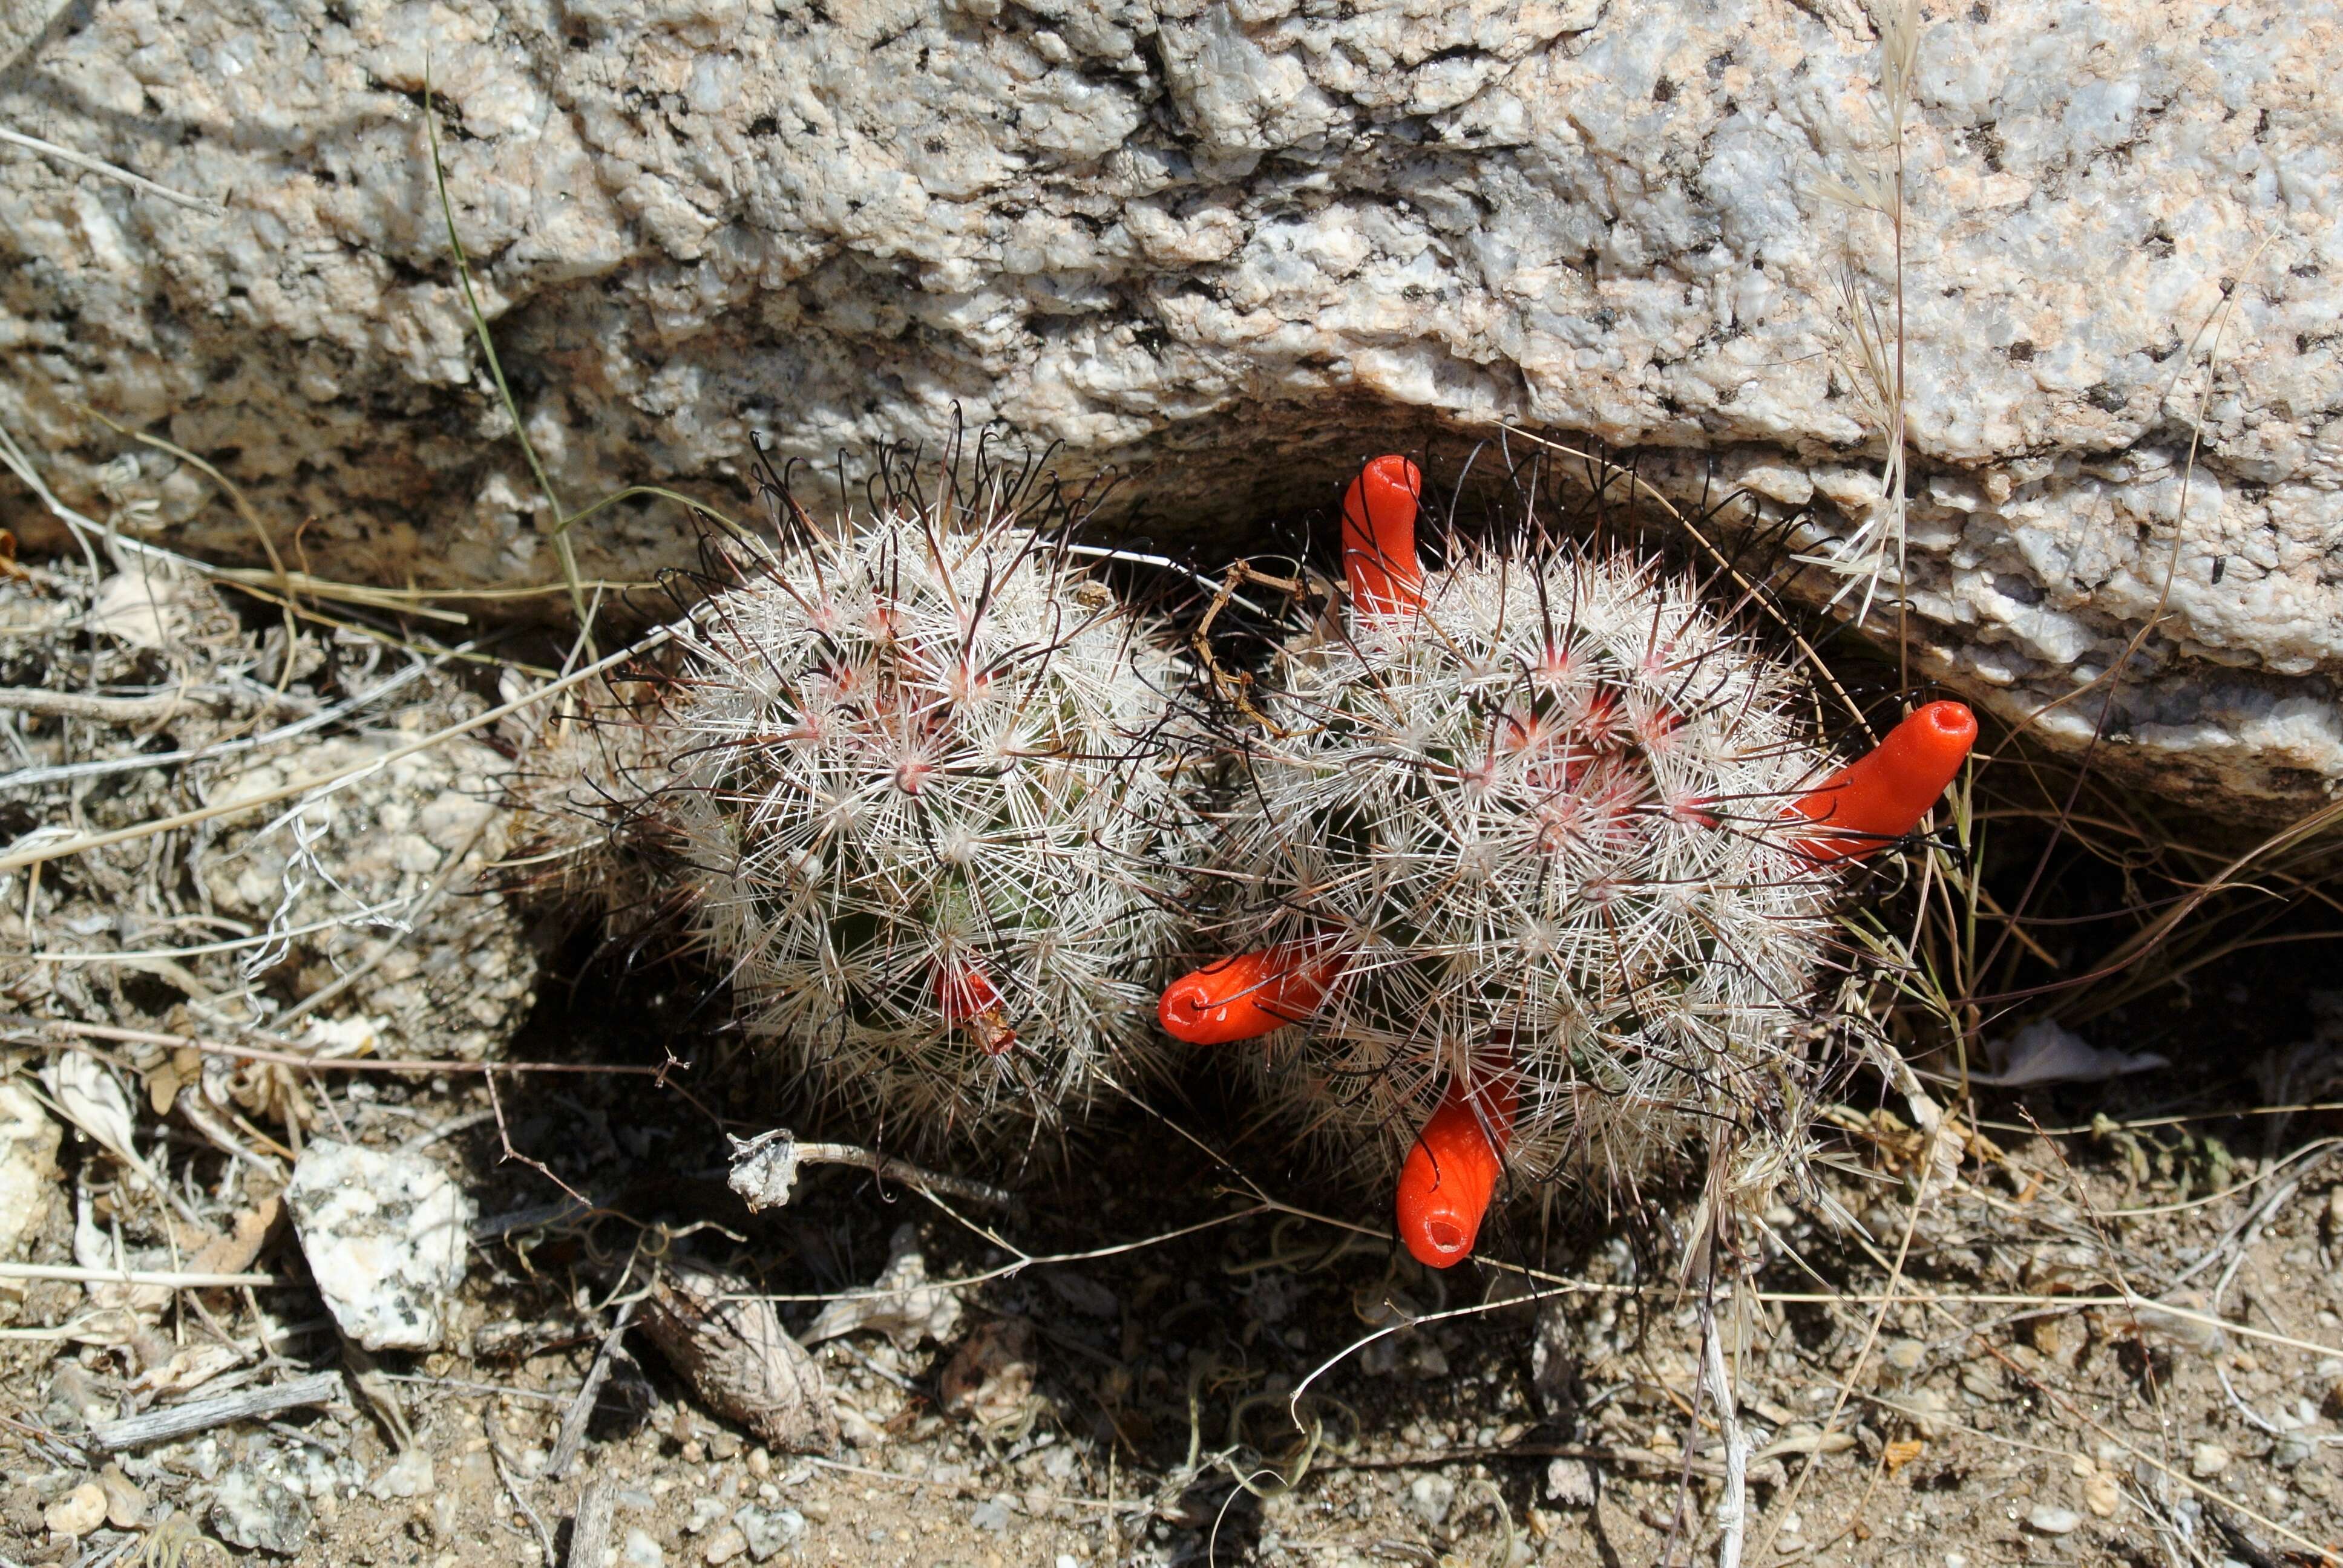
(913, 774)
(1537, 857)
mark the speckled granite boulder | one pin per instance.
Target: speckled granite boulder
(1233, 247)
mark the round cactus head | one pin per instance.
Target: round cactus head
(1538, 857)
(914, 772)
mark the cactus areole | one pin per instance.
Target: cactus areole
(1533, 860)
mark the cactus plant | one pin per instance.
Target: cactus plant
(1539, 856)
(914, 775)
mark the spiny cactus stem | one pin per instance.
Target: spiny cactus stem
(1379, 560)
(1452, 1171)
(1249, 995)
(1881, 795)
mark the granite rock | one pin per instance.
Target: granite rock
(385, 1236)
(1231, 248)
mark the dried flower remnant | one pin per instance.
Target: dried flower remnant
(1521, 854)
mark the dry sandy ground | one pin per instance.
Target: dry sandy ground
(2004, 1406)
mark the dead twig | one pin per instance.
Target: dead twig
(574, 1421)
(45, 704)
(590, 1531)
(1733, 1509)
(83, 843)
(100, 166)
(167, 1279)
(765, 1169)
(512, 1489)
(57, 1026)
(201, 1415)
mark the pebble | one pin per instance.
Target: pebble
(770, 1530)
(77, 1513)
(2209, 1460)
(386, 1237)
(639, 1551)
(1903, 1356)
(125, 1505)
(2051, 1520)
(255, 1512)
(28, 1166)
(1429, 1498)
(1571, 1483)
(760, 1463)
(726, 1544)
(2291, 1450)
(408, 1475)
(2100, 1494)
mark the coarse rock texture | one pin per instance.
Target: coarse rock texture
(385, 1236)
(1237, 247)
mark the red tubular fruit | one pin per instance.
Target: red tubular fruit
(1452, 1172)
(1245, 996)
(1881, 795)
(967, 996)
(1379, 538)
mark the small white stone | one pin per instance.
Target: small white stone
(259, 1513)
(28, 1174)
(639, 1551)
(77, 1513)
(1571, 1483)
(2048, 1520)
(2209, 1460)
(410, 1475)
(725, 1545)
(1429, 1498)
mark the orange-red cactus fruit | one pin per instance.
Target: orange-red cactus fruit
(1379, 537)
(1881, 795)
(1452, 1172)
(1245, 996)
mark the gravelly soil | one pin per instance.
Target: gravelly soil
(2004, 1407)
